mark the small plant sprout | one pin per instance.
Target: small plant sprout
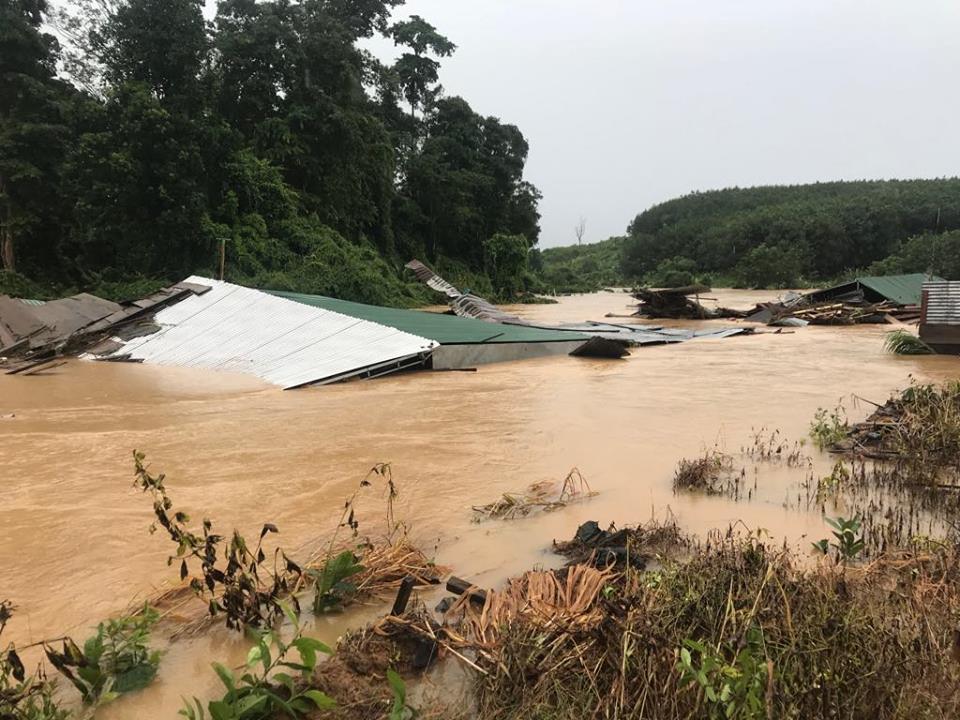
(849, 540)
(902, 342)
(399, 710)
(271, 684)
(829, 426)
(114, 661)
(733, 689)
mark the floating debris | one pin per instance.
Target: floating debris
(679, 303)
(542, 496)
(919, 430)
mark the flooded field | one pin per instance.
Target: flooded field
(74, 545)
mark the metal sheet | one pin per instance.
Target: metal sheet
(444, 328)
(941, 303)
(639, 335)
(283, 342)
(898, 289)
(463, 304)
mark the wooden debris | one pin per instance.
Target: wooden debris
(679, 303)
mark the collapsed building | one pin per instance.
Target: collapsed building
(869, 299)
(294, 339)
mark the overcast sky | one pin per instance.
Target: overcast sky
(626, 103)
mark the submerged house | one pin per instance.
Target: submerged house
(230, 327)
(940, 316)
(894, 289)
(462, 342)
(294, 339)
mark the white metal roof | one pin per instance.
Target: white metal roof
(284, 342)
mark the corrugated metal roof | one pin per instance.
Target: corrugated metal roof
(284, 342)
(465, 304)
(942, 302)
(445, 329)
(901, 289)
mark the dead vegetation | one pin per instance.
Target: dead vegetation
(356, 676)
(713, 473)
(736, 629)
(918, 431)
(544, 496)
(341, 571)
(634, 546)
(771, 447)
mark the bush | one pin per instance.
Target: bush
(333, 266)
(767, 266)
(505, 259)
(116, 660)
(674, 272)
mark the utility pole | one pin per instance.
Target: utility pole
(223, 255)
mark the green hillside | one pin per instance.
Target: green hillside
(790, 235)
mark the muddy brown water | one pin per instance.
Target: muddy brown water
(74, 546)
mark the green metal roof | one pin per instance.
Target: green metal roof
(902, 289)
(445, 329)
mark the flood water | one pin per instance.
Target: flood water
(74, 546)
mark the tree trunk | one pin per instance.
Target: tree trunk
(7, 258)
(6, 248)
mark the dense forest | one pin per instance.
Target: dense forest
(136, 137)
(780, 236)
(774, 236)
(579, 268)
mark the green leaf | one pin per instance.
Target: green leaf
(308, 648)
(220, 710)
(226, 676)
(284, 679)
(250, 705)
(254, 656)
(314, 644)
(397, 685)
(321, 700)
(107, 697)
(291, 615)
(136, 678)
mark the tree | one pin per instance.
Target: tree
(579, 229)
(271, 128)
(159, 43)
(506, 262)
(674, 272)
(416, 71)
(467, 181)
(32, 131)
(140, 189)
